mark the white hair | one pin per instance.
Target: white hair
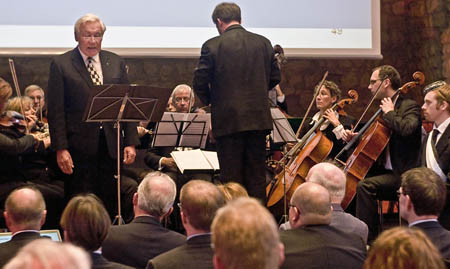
(156, 194)
(88, 18)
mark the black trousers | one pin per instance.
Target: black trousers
(242, 159)
(370, 189)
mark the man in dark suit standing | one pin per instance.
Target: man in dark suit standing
(422, 197)
(436, 146)
(144, 238)
(234, 74)
(24, 214)
(199, 201)
(402, 117)
(87, 151)
(312, 242)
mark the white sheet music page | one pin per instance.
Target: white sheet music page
(191, 160)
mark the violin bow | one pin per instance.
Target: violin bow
(310, 104)
(16, 85)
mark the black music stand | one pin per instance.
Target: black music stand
(125, 103)
(182, 130)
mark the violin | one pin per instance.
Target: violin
(13, 123)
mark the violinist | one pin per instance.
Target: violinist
(16, 103)
(436, 146)
(15, 147)
(36, 93)
(335, 125)
(276, 96)
(403, 118)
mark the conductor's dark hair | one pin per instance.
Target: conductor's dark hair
(227, 12)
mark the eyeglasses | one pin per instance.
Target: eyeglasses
(179, 99)
(372, 81)
(94, 36)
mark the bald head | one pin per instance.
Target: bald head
(25, 209)
(312, 205)
(331, 177)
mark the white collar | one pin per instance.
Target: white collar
(443, 126)
(96, 57)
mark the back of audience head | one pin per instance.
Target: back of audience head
(232, 190)
(310, 205)
(331, 177)
(245, 235)
(85, 222)
(47, 254)
(422, 191)
(403, 248)
(199, 202)
(25, 209)
(155, 195)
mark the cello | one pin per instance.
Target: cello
(374, 136)
(302, 157)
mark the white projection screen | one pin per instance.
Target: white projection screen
(178, 28)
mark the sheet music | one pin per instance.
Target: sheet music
(195, 160)
(282, 130)
(167, 130)
(195, 130)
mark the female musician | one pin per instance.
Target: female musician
(276, 96)
(335, 124)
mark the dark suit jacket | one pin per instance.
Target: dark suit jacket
(234, 74)
(9, 249)
(196, 253)
(135, 243)
(69, 87)
(99, 262)
(443, 151)
(406, 125)
(438, 235)
(322, 246)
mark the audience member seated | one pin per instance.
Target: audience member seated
(403, 248)
(232, 190)
(245, 235)
(334, 180)
(199, 201)
(312, 242)
(422, 197)
(24, 214)
(144, 238)
(86, 222)
(47, 254)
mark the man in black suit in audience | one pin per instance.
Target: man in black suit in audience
(422, 198)
(436, 145)
(24, 214)
(312, 242)
(87, 152)
(234, 74)
(135, 243)
(199, 201)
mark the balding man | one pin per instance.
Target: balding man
(312, 242)
(244, 235)
(135, 243)
(24, 214)
(334, 180)
(199, 201)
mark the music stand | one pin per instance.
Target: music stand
(125, 103)
(282, 133)
(182, 130)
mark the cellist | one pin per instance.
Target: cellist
(335, 125)
(403, 118)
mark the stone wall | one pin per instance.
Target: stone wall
(415, 35)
